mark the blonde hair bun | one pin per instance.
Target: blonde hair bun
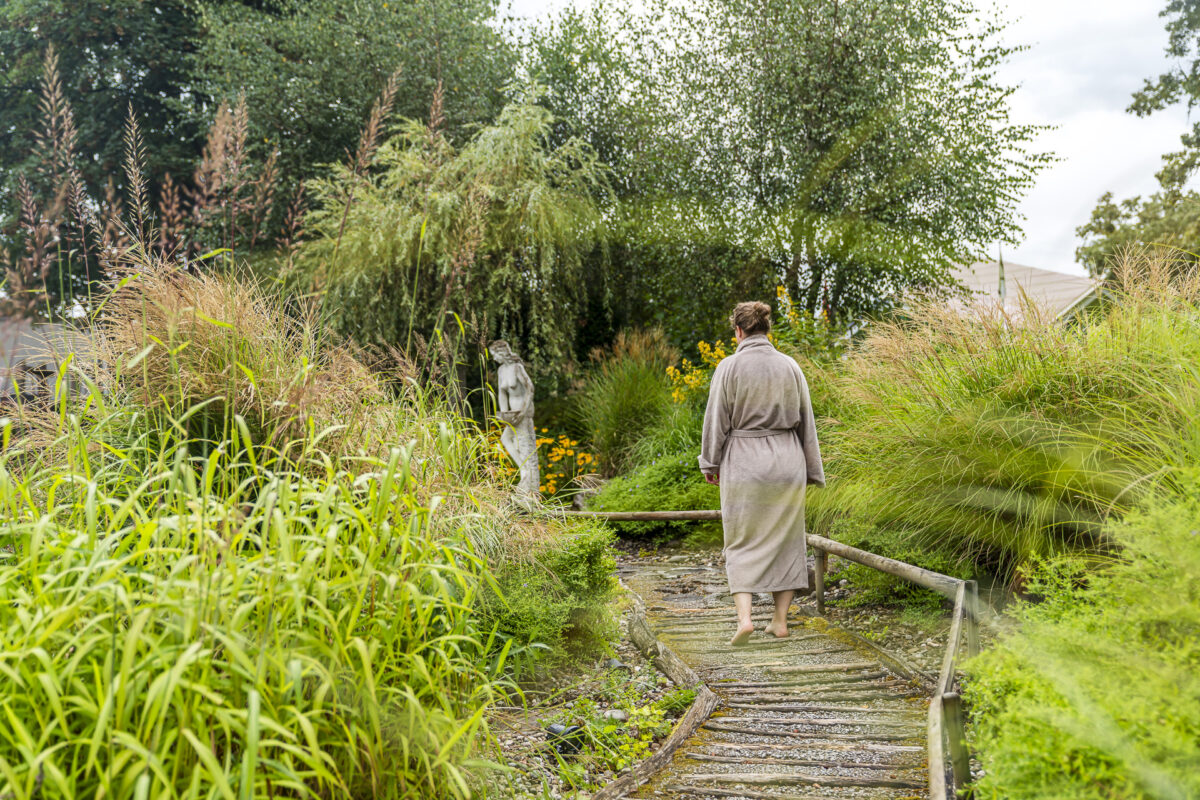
(752, 317)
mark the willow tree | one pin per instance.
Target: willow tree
(493, 236)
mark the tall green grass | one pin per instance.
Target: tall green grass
(238, 567)
(997, 438)
(625, 394)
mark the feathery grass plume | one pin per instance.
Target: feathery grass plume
(372, 133)
(262, 202)
(27, 269)
(55, 144)
(437, 108)
(997, 438)
(56, 147)
(171, 217)
(292, 232)
(368, 145)
(135, 176)
(110, 221)
(209, 176)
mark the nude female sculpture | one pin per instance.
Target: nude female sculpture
(514, 393)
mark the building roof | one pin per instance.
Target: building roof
(1060, 292)
(37, 346)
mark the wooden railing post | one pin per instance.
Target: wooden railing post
(819, 580)
(956, 735)
(972, 619)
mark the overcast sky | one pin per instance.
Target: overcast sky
(1086, 58)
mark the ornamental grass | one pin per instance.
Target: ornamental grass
(998, 437)
(239, 566)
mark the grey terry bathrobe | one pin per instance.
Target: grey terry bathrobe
(759, 434)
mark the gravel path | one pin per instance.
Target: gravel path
(816, 715)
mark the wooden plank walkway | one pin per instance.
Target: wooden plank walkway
(814, 716)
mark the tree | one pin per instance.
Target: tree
(1170, 216)
(851, 151)
(309, 69)
(495, 232)
(113, 54)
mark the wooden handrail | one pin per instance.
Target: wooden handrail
(642, 516)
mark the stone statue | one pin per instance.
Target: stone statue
(514, 392)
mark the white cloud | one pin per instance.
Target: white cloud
(1086, 59)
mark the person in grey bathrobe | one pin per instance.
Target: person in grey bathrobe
(760, 446)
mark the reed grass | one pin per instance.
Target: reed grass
(626, 394)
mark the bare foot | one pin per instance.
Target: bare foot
(743, 635)
(778, 631)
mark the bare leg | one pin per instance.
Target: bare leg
(741, 601)
(779, 624)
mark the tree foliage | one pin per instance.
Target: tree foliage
(310, 68)
(854, 150)
(496, 231)
(1171, 215)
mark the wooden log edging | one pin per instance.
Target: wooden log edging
(671, 665)
(935, 581)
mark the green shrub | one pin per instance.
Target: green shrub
(1096, 694)
(626, 393)
(553, 599)
(672, 482)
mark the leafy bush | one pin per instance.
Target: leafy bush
(626, 393)
(1096, 693)
(552, 598)
(672, 482)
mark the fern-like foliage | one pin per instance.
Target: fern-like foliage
(495, 232)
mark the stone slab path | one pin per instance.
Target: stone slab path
(815, 716)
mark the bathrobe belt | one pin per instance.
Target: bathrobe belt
(760, 433)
